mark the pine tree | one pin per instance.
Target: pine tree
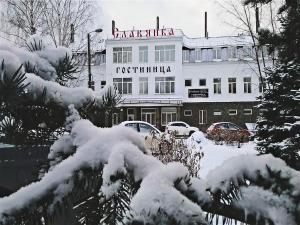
(279, 121)
(28, 122)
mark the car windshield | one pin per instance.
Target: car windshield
(233, 126)
(132, 125)
(145, 128)
(178, 124)
(222, 126)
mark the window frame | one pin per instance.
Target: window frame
(191, 83)
(247, 85)
(200, 83)
(163, 83)
(161, 52)
(203, 114)
(122, 83)
(248, 113)
(217, 86)
(232, 114)
(122, 55)
(232, 85)
(145, 88)
(187, 110)
(143, 54)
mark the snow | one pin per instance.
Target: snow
(61, 95)
(216, 155)
(262, 202)
(156, 195)
(238, 168)
(99, 148)
(42, 67)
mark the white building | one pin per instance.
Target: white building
(165, 76)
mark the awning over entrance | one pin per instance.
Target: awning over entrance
(150, 102)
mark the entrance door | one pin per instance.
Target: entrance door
(149, 115)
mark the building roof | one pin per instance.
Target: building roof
(216, 41)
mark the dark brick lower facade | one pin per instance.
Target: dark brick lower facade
(242, 109)
(211, 112)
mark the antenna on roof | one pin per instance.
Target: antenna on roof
(205, 25)
(113, 26)
(157, 23)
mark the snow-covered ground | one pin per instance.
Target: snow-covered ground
(215, 155)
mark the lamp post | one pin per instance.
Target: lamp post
(91, 83)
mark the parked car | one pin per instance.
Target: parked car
(151, 134)
(141, 127)
(180, 128)
(227, 131)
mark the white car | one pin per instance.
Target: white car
(181, 128)
(151, 134)
(141, 127)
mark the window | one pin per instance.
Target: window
(262, 86)
(143, 85)
(188, 83)
(165, 53)
(115, 119)
(122, 55)
(217, 113)
(232, 112)
(149, 115)
(248, 52)
(224, 53)
(217, 85)
(143, 54)
(247, 111)
(202, 82)
(202, 116)
(232, 85)
(103, 83)
(124, 85)
(164, 85)
(130, 114)
(217, 54)
(247, 84)
(168, 115)
(198, 54)
(264, 52)
(185, 55)
(240, 52)
(187, 112)
(206, 54)
(233, 53)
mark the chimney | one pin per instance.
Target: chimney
(257, 18)
(157, 23)
(205, 32)
(113, 26)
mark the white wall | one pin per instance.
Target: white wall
(223, 70)
(176, 67)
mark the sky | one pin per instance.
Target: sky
(187, 15)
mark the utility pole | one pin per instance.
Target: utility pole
(91, 83)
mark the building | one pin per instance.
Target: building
(165, 76)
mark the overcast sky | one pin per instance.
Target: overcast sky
(187, 15)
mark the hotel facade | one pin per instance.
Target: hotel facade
(164, 76)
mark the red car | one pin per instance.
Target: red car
(228, 132)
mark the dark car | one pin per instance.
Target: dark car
(227, 131)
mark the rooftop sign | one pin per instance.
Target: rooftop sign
(143, 33)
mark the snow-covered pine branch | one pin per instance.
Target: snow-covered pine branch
(164, 192)
(39, 67)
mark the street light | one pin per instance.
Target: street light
(91, 84)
